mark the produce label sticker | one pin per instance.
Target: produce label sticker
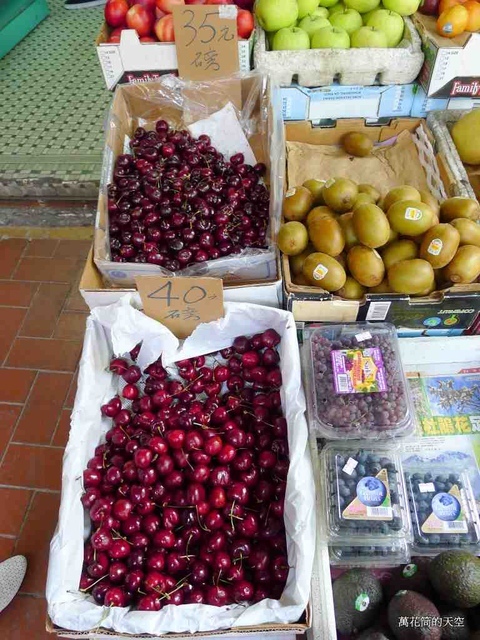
(181, 304)
(447, 514)
(412, 213)
(365, 335)
(409, 570)
(350, 465)
(358, 371)
(435, 246)
(320, 272)
(362, 602)
(426, 487)
(372, 500)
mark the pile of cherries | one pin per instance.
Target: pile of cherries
(176, 201)
(186, 495)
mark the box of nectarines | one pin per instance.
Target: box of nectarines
(452, 64)
(377, 227)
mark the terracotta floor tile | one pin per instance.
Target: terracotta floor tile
(41, 414)
(16, 294)
(15, 384)
(11, 320)
(6, 550)
(60, 437)
(42, 316)
(35, 539)
(76, 302)
(24, 619)
(9, 414)
(38, 353)
(73, 249)
(46, 269)
(32, 467)
(13, 505)
(71, 325)
(41, 248)
(10, 252)
(69, 402)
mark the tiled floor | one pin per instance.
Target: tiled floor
(42, 318)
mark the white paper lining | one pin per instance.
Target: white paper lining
(117, 329)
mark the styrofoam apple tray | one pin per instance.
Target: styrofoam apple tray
(440, 122)
(323, 67)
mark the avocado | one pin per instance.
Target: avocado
(357, 597)
(410, 577)
(454, 624)
(411, 616)
(455, 576)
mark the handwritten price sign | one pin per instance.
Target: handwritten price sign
(181, 303)
(206, 41)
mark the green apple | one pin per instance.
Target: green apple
(310, 24)
(369, 37)
(362, 6)
(291, 39)
(390, 23)
(336, 8)
(366, 16)
(330, 38)
(273, 15)
(327, 3)
(349, 19)
(305, 7)
(403, 7)
(322, 12)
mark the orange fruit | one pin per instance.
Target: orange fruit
(473, 8)
(453, 21)
(446, 4)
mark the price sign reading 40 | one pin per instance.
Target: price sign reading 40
(206, 41)
(181, 303)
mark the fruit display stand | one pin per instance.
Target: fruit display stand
(461, 302)
(132, 61)
(321, 67)
(440, 123)
(452, 65)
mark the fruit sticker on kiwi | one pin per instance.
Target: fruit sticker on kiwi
(447, 514)
(320, 272)
(372, 501)
(362, 602)
(358, 371)
(412, 213)
(435, 247)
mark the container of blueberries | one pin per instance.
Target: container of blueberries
(359, 554)
(364, 494)
(442, 509)
(356, 384)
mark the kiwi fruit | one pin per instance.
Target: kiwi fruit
(439, 245)
(465, 266)
(404, 192)
(369, 190)
(346, 222)
(340, 194)
(320, 212)
(296, 205)
(300, 279)
(296, 262)
(399, 250)
(371, 225)
(321, 270)
(393, 236)
(459, 207)
(363, 198)
(432, 202)
(315, 187)
(326, 235)
(292, 238)
(365, 265)
(357, 144)
(412, 277)
(342, 259)
(410, 217)
(351, 290)
(469, 231)
(383, 287)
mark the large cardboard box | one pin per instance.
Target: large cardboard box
(423, 104)
(454, 308)
(132, 61)
(452, 65)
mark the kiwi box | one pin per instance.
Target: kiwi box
(450, 310)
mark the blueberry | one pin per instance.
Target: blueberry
(344, 491)
(454, 477)
(441, 479)
(341, 502)
(435, 539)
(360, 470)
(373, 458)
(448, 486)
(375, 468)
(418, 476)
(384, 462)
(439, 486)
(453, 539)
(428, 477)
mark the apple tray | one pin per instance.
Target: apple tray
(323, 67)
(440, 123)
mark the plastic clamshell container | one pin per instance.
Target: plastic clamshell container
(394, 553)
(356, 386)
(442, 509)
(364, 493)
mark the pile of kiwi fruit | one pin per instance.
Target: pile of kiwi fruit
(344, 238)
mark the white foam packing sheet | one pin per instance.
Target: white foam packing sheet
(116, 329)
